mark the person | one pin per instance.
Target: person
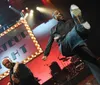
(19, 73)
(71, 38)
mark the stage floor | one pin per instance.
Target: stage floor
(90, 80)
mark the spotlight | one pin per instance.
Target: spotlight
(37, 8)
(44, 10)
(0, 25)
(9, 6)
(26, 8)
(41, 9)
(21, 18)
(31, 11)
(26, 15)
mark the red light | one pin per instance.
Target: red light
(22, 10)
(45, 2)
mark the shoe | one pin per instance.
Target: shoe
(86, 25)
(76, 14)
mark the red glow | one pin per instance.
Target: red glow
(45, 2)
(22, 10)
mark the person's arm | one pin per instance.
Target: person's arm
(11, 82)
(8, 83)
(15, 80)
(15, 69)
(48, 47)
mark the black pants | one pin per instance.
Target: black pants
(29, 81)
(90, 60)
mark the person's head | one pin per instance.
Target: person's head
(57, 15)
(7, 63)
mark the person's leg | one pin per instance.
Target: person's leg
(81, 25)
(90, 60)
(77, 16)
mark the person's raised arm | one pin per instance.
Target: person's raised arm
(48, 48)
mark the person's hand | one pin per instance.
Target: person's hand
(15, 69)
(8, 83)
(44, 58)
(16, 80)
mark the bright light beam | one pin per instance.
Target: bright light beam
(26, 15)
(45, 10)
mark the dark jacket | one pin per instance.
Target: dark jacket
(24, 75)
(71, 36)
(62, 29)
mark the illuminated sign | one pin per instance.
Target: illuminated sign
(19, 43)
